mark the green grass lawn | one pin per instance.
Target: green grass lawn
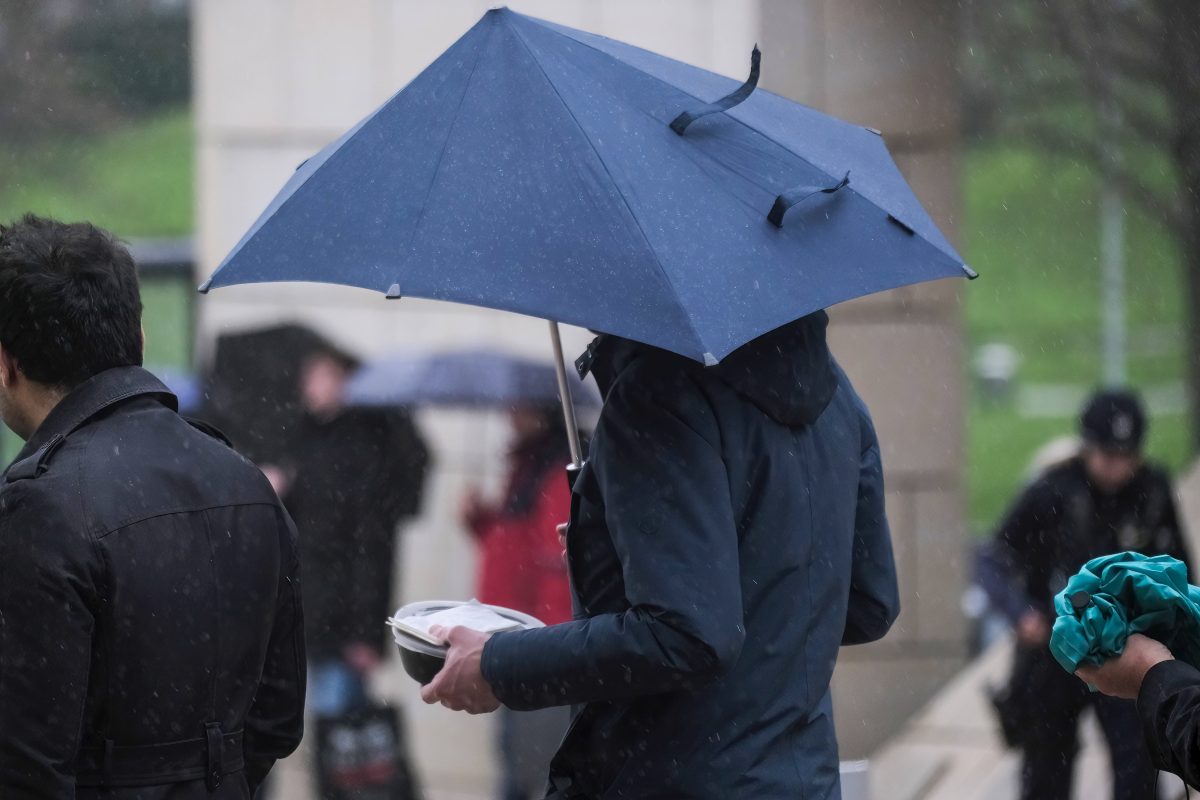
(135, 181)
(1032, 233)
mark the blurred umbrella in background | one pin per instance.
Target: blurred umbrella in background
(471, 378)
(186, 386)
(253, 386)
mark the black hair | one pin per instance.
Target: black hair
(70, 306)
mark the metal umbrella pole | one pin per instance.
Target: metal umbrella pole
(568, 405)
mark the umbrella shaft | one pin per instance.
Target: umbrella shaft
(564, 394)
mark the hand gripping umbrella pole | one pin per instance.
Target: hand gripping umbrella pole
(568, 406)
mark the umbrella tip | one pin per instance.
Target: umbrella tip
(393, 292)
(710, 360)
(204, 287)
(970, 273)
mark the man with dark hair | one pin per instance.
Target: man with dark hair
(150, 627)
(1105, 500)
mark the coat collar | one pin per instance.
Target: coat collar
(97, 393)
(606, 357)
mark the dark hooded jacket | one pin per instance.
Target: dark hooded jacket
(151, 640)
(727, 537)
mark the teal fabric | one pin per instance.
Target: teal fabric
(1121, 594)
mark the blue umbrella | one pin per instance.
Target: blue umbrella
(543, 170)
(473, 378)
(186, 387)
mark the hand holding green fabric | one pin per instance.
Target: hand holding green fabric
(1115, 596)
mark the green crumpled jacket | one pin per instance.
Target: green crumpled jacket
(1121, 594)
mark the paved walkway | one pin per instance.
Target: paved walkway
(951, 749)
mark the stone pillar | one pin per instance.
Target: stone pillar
(892, 66)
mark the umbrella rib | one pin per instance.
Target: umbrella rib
(624, 200)
(728, 114)
(437, 170)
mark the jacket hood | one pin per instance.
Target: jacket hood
(788, 374)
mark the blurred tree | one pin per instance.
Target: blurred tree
(135, 57)
(1074, 77)
(80, 65)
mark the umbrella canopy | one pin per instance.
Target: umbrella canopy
(543, 170)
(475, 378)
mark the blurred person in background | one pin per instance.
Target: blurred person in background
(352, 476)
(521, 566)
(1104, 500)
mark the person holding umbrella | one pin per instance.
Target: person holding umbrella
(727, 534)
(351, 477)
(521, 567)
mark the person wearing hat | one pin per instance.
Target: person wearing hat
(1104, 500)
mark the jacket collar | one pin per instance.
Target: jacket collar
(97, 393)
(606, 357)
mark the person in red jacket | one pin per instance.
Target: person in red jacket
(521, 566)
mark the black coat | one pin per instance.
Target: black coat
(1061, 521)
(356, 477)
(1169, 704)
(149, 591)
(727, 537)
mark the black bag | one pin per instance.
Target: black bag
(362, 755)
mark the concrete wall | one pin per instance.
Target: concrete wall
(277, 79)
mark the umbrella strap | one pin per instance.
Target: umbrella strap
(798, 195)
(680, 123)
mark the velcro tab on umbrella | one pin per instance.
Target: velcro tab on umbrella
(798, 195)
(680, 123)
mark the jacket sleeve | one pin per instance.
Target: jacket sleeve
(668, 510)
(48, 596)
(874, 589)
(1169, 705)
(1019, 542)
(275, 722)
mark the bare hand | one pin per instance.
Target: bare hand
(1033, 629)
(472, 508)
(562, 539)
(460, 686)
(1122, 676)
